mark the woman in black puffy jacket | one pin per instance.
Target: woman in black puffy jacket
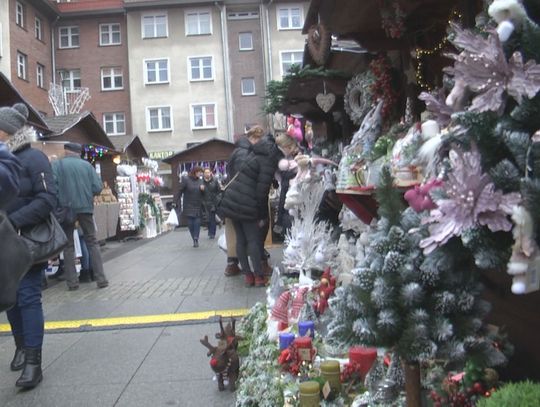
(33, 204)
(246, 201)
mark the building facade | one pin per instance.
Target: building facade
(174, 72)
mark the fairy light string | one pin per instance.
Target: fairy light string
(421, 53)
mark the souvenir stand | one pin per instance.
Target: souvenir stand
(150, 205)
(127, 192)
(437, 197)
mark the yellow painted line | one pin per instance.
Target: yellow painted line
(137, 320)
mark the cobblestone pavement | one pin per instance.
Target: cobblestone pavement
(145, 365)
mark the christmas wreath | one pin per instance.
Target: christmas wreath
(359, 96)
(318, 42)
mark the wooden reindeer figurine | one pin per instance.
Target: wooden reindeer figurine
(227, 334)
(224, 362)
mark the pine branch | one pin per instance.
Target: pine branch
(389, 198)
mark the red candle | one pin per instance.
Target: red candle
(304, 346)
(364, 357)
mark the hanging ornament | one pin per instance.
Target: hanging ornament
(325, 100)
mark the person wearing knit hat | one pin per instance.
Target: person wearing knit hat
(33, 205)
(13, 118)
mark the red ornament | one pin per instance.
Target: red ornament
(478, 388)
(213, 362)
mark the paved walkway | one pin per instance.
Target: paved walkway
(159, 363)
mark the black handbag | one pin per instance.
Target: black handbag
(45, 240)
(15, 261)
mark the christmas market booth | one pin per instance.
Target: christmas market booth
(213, 153)
(426, 293)
(83, 128)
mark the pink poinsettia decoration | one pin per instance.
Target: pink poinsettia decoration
(419, 198)
(471, 201)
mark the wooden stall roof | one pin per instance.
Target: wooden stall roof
(199, 151)
(9, 95)
(129, 144)
(361, 20)
(59, 125)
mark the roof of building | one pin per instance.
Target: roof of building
(122, 143)
(198, 146)
(59, 125)
(9, 95)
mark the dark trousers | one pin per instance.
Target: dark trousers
(212, 225)
(248, 243)
(86, 222)
(194, 226)
(26, 317)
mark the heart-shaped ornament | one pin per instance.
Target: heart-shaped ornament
(325, 101)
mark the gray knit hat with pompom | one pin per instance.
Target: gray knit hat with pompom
(13, 118)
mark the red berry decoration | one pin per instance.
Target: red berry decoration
(478, 388)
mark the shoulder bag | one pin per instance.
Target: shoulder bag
(15, 261)
(44, 240)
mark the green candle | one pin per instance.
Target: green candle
(309, 394)
(331, 373)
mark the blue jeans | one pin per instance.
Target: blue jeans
(26, 317)
(211, 223)
(194, 226)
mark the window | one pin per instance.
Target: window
(200, 69)
(156, 71)
(203, 116)
(246, 41)
(248, 86)
(243, 15)
(109, 34)
(19, 14)
(71, 80)
(22, 60)
(290, 18)
(38, 29)
(114, 123)
(290, 58)
(154, 25)
(158, 118)
(40, 75)
(69, 37)
(198, 22)
(111, 79)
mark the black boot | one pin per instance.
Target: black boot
(31, 375)
(18, 359)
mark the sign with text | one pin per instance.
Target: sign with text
(160, 155)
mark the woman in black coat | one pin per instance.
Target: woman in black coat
(9, 175)
(210, 194)
(34, 203)
(191, 189)
(246, 201)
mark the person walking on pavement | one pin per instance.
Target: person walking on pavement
(211, 190)
(191, 190)
(34, 203)
(246, 201)
(78, 183)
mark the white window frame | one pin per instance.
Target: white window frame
(71, 78)
(205, 126)
(110, 32)
(285, 72)
(154, 16)
(201, 70)
(289, 26)
(40, 76)
(19, 14)
(70, 35)
(245, 93)
(22, 65)
(38, 28)
(160, 118)
(250, 40)
(115, 119)
(157, 81)
(198, 12)
(112, 72)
